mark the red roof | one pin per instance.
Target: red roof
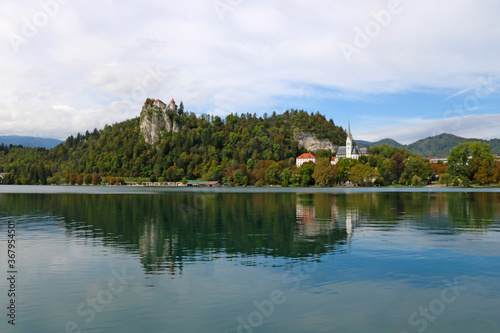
(172, 101)
(306, 155)
(333, 158)
(159, 101)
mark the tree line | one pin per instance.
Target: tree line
(206, 147)
(239, 150)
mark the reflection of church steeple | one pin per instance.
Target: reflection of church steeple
(348, 142)
(345, 217)
(348, 225)
(158, 254)
(310, 225)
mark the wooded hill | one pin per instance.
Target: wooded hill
(29, 141)
(433, 146)
(206, 147)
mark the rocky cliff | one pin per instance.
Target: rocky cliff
(155, 120)
(312, 143)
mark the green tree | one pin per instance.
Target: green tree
(324, 172)
(285, 177)
(273, 173)
(416, 181)
(484, 174)
(181, 108)
(416, 166)
(481, 169)
(472, 160)
(238, 177)
(364, 174)
(343, 168)
(322, 153)
(304, 174)
(445, 179)
(458, 159)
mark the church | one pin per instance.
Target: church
(349, 150)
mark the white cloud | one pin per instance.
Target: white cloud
(93, 56)
(63, 107)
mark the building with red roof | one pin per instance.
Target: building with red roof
(172, 106)
(304, 158)
(159, 104)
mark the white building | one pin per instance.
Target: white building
(304, 158)
(159, 104)
(349, 150)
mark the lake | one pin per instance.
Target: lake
(145, 259)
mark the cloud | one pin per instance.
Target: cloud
(249, 56)
(63, 107)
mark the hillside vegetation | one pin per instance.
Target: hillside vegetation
(441, 145)
(239, 150)
(205, 147)
(433, 146)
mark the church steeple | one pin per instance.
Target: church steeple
(348, 143)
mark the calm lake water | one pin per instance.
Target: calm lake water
(122, 259)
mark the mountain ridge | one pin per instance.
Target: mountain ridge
(29, 141)
(433, 146)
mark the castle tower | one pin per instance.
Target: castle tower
(172, 106)
(348, 143)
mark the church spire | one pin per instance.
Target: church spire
(348, 142)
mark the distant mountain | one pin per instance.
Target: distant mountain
(387, 141)
(433, 146)
(440, 145)
(29, 141)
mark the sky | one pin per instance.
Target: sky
(402, 69)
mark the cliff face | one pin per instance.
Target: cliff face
(313, 144)
(154, 121)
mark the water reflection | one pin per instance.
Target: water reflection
(169, 231)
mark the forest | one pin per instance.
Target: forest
(238, 150)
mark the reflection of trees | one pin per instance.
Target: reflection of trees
(171, 230)
(158, 254)
(473, 210)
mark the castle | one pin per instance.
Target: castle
(162, 106)
(155, 118)
(349, 151)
